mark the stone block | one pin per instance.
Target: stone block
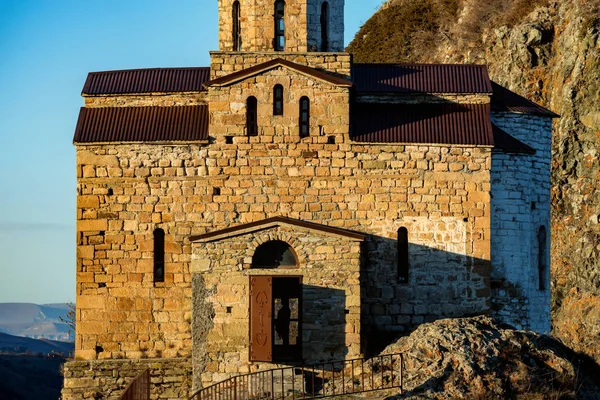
(92, 225)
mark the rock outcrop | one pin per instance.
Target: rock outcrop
(481, 358)
(548, 51)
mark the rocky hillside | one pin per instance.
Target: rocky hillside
(548, 51)
(480, 358)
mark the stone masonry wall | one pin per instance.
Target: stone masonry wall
(520, 206)
(329, 108)
(302, 25)
(225, 63)
(170, 378)
(331, 310)
(141, 100)
(335, 25)
(126, 191)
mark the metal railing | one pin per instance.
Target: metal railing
(311, 382)
(139, 389)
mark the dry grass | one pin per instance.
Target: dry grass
(410, 30)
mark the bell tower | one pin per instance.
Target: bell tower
(286, 26)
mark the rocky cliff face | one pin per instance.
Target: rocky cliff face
(480, 358)
(548, 51)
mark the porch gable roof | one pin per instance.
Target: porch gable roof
(275, 222)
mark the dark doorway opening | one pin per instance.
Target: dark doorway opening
(287, 318)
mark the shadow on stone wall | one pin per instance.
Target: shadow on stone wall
(324, 326)
(441, 284)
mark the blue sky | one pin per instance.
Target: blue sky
(46, 50)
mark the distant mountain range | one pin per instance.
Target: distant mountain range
(22, 345)
(35, 321)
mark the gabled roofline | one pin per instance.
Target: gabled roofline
(278, 62)
(274, 222)
(505, 100)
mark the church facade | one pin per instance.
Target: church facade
(286, 205)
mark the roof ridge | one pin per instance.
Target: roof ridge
(320, 74)
(146, 69)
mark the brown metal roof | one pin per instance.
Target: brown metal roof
(421, 78)
(315, 73)
(154, 80)
(433, 123)
(508, 101)
(508, 143)
(142, 124)
(275, 221)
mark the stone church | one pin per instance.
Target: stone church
(286, 205)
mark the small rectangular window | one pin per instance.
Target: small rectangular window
(251, 116)
(403, 255)
(304, 122)
(159, 255)
(278, 100)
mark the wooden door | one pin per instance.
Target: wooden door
(261, 316)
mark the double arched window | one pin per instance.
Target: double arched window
(251, 116)
(325, 26)
(236, 28)
(304, 120)
(279, 40)
(278, 100)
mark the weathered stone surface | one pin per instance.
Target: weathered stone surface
(170, 378)
(551, 55)
(484, 358)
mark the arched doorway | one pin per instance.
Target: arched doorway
(275, 305)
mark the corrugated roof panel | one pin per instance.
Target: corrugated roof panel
(421, 78)
(142, 124)
(154, 80)
(444, 123)
(508, 101)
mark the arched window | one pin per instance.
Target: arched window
(325, 26)
(274, 254)
(251, 116)
(278, 100)
(236, 28)
(542, 258)
(304, 117)
(403, 255)
(279, 40)
(159, 255)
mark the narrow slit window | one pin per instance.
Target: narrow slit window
(403, 255)
(236, 28)
(159, 255)
(251, 116)
(542, 258)
(279, 40)
(304, 117)
(325, 26)
(278, 100)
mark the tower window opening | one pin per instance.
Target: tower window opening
(159, 255)
(251, 116)
(237, 28)
(278, 100)
(304, 117)
(279, 40)
(325, 26)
